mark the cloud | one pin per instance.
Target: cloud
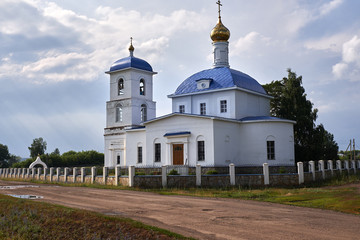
(349, 67)
(252, 42)
(329, 7)
(65, 45)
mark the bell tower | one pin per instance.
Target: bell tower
(131, 93)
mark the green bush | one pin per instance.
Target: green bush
(212, 172)
(173, 172)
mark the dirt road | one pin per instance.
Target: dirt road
(202, 218)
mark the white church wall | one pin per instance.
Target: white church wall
(197, 127)
(227, 140)
(253, 142)
(248, 104)
(114, 145)
(135, 139)
(185, 100)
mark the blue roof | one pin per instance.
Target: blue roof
(131, 62)
(222, 77)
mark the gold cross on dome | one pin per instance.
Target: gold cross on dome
(131, 40)
(219, 3)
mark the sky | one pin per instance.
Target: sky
(54, 55)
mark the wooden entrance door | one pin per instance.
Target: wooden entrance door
(178, 154)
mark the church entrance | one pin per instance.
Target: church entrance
(178, 154)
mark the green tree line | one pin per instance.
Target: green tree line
(67, 159)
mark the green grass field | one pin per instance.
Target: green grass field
(28, 219)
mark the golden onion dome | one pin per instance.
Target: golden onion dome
(220, 33)
(131, 48)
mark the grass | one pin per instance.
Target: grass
(27, 219)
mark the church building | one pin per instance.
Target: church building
(219, 116)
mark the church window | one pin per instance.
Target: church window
(202, 108)
(181, 108)
(140, 155)
(223, 106)
(270, 150)
(121, 86)
(118, 159)
(119, 113)
(201, 150)
(142, 87)
(157, 152)
(143, 112)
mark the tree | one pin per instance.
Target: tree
(56, 152)
(290, 103)
(38, 147)
(4, 156)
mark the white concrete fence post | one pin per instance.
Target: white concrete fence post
(300, 167)
(38, 173)
(358, 163)
(131, 176)
(45, 173)
(330, 167)
(312, 169)
(338, 165)
(82, 174)
(105, 174)
(322, 168)
(353, 166)
(93, 174)
(164, 176)
(266, 173)
(27, 172)
(232, 174)
(347, 166)
(117, 173)
(51, 174)
(23, 173)
(58, 174)
(74, 174)
(198, 175)
(66, 173)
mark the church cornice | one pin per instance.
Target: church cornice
(130, 68)
(220, 90)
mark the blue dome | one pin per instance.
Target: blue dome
(131, 62)
(221, 77)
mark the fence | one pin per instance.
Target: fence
(315, 171)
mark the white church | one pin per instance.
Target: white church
(219, 116)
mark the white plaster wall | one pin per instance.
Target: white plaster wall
(186, 101)
(134, 139)
(251, 105)
(253, 143)
(239, 104)
(197, 126)
(227, 138)
(114, 144)
(131, 100)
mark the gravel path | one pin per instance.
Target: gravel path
(201, 218)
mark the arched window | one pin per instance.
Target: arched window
(200, 148)
(121, 86)
(118, 117)
(142, 87)
(118, 159)
(143, 113)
